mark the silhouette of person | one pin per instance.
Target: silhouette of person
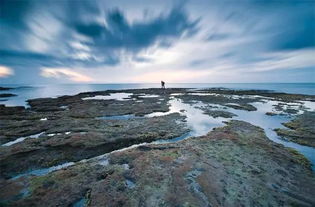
(163, 84)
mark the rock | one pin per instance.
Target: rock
(5, 88)
(75, 156)
(220, 99)
(246, 107)
(5, 95)
(218, 113)
(218, 169)
(100, 138)
(300, 130)
(271, 114)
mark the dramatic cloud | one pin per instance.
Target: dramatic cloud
(5, 71)
(144, 41)
(54, 37)
(65, 73)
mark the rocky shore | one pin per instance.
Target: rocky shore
(67, 151)
(301, 129)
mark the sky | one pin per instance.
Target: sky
(146, 41)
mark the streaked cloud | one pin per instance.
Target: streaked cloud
(93, 36)
(179, 41)
(5, 71)
(65, 73)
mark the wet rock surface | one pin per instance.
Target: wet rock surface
(217, 113)
(221, 99)
(5, 88)
(286, 97)
(300, 130)
(217, 169)
(78, 131)
(66, 151)
(5, 95)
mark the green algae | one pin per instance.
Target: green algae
(301, 159)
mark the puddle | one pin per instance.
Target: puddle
(119, 117)
(198, 122)
(125, 166)
(269, 123)
(102, 160)
(34, 136)
(148, 96)
(202, 94)
(232, 104)
(130, 184)
(64, 107)
(44, 171)
(80, 203)
(116, 96)
(201, 124)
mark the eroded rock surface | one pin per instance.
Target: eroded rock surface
(5, 95)
(69, 128)
(61, 151)
(236, 165)
(5, 88)
(300, 130)
(217, 113)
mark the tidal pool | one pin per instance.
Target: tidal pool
(115, 96)
(200, 123)
(22, 139)
(118, 117)
(44, 171)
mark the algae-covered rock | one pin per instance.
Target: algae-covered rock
(236, 165)
(68, 151)
(246, 107)
(5, 95)
(218, 113)
(300, 130)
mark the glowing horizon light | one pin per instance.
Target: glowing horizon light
(67, 73)
(5, 71)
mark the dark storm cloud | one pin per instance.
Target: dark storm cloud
(293, 27)
(107, 32)
(299, 32)
(284, 25)
(120, 34)
(32, 59)
(12, 11)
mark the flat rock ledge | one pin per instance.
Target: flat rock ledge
(235, 165)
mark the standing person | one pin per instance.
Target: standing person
(163, 84)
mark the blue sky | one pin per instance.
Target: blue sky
(122, 41)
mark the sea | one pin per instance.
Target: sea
(29, 91)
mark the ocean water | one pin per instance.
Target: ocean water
(25, 92)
